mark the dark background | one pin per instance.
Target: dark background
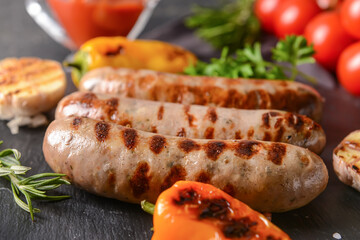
(20, 36)
(86, 216)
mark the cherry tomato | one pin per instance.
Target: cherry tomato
(329, 38)
(350, 17)
(329, 4)
(264, 11)
(348, 68)
(292, 16)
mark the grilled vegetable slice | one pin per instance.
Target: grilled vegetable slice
(346, 160)
(193, 210)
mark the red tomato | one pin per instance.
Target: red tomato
(350, 17)
(329, 38)
(292, 16)
(264, 11)
(329, 4)
(348, 68)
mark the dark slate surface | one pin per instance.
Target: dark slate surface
(86, 216)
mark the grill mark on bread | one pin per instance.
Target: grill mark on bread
(214, 148)
(189, 116)
(203, 177)
(276, 153)
(76, 123)
(211, 114)
(176, 173)
(18, 76)
(209, 133)
(160, 112)
(140, 180)
(188, 145)
(130, 137)
(246, 149)
(157, 144)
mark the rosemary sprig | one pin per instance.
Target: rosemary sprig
(249, 63)
(33, 187)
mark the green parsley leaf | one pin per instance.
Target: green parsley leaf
(232, 24)
(249, 63)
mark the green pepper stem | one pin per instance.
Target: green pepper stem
(72, 64)
(147, 207)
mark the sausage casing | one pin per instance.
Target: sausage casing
(131, 165)
(195, 121)
(213, 91)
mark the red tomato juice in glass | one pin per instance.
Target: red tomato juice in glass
(86, 19)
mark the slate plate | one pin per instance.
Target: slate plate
(86, 216)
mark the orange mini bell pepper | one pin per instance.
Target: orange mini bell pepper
(122, 52)
(198, 211)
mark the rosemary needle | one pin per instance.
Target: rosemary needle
(33, 187)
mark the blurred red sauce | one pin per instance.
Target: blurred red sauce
(86, 19)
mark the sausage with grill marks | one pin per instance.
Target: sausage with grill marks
(212, 91)
(196, 121)
(131, 165)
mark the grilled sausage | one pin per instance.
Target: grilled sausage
(231, 93)
(131, 165)
(196, 121)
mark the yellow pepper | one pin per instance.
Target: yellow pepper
(136, 54)
(199, 211)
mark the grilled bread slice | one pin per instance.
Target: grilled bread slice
(346, 160)
(29, 86)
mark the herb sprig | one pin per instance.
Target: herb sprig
(33, 187)
(249, 63)
(233, 24)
